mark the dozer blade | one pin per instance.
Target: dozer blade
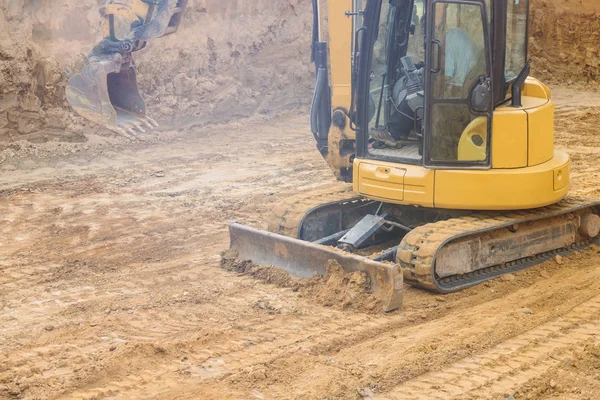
(106, 92)
(303, 259)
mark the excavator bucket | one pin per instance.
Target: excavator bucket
(106, 92)
(303, 259)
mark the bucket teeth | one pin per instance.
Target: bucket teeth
(136, 126)
(131, 127)
(121, 132)
(153, 122)
(107, 93)
(144, 122)
(147, 123)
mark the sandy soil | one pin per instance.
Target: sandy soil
(110, 285)
(563, 37)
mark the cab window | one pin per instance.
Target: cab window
(516, 38)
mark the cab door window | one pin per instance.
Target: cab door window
(459, 63)
(516, 38)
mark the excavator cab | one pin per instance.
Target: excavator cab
(106, 90)
(430, 68)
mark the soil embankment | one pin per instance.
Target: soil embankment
(229, 60)
(563, 41)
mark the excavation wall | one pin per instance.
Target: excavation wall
(564, 37)
(230, 59)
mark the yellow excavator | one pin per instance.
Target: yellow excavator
(428, 109)
(106, 91)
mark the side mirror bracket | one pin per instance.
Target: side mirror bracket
(518, 86)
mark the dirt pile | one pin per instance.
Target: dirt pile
(337, 289)
(229, 60)
(563, 44)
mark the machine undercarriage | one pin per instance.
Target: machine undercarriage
(442, 251)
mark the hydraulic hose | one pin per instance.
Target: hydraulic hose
(317, 99)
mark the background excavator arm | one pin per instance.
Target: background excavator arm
(106, 91)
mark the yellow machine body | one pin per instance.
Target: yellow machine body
(526, 171)
(493, 201)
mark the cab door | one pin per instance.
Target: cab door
(458, 84)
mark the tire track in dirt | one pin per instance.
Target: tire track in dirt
(285, 349)
(153, 239)
(116, 237)
(508, 365)
(267, 342)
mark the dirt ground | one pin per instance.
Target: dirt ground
(110, 283)
(111, 286)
